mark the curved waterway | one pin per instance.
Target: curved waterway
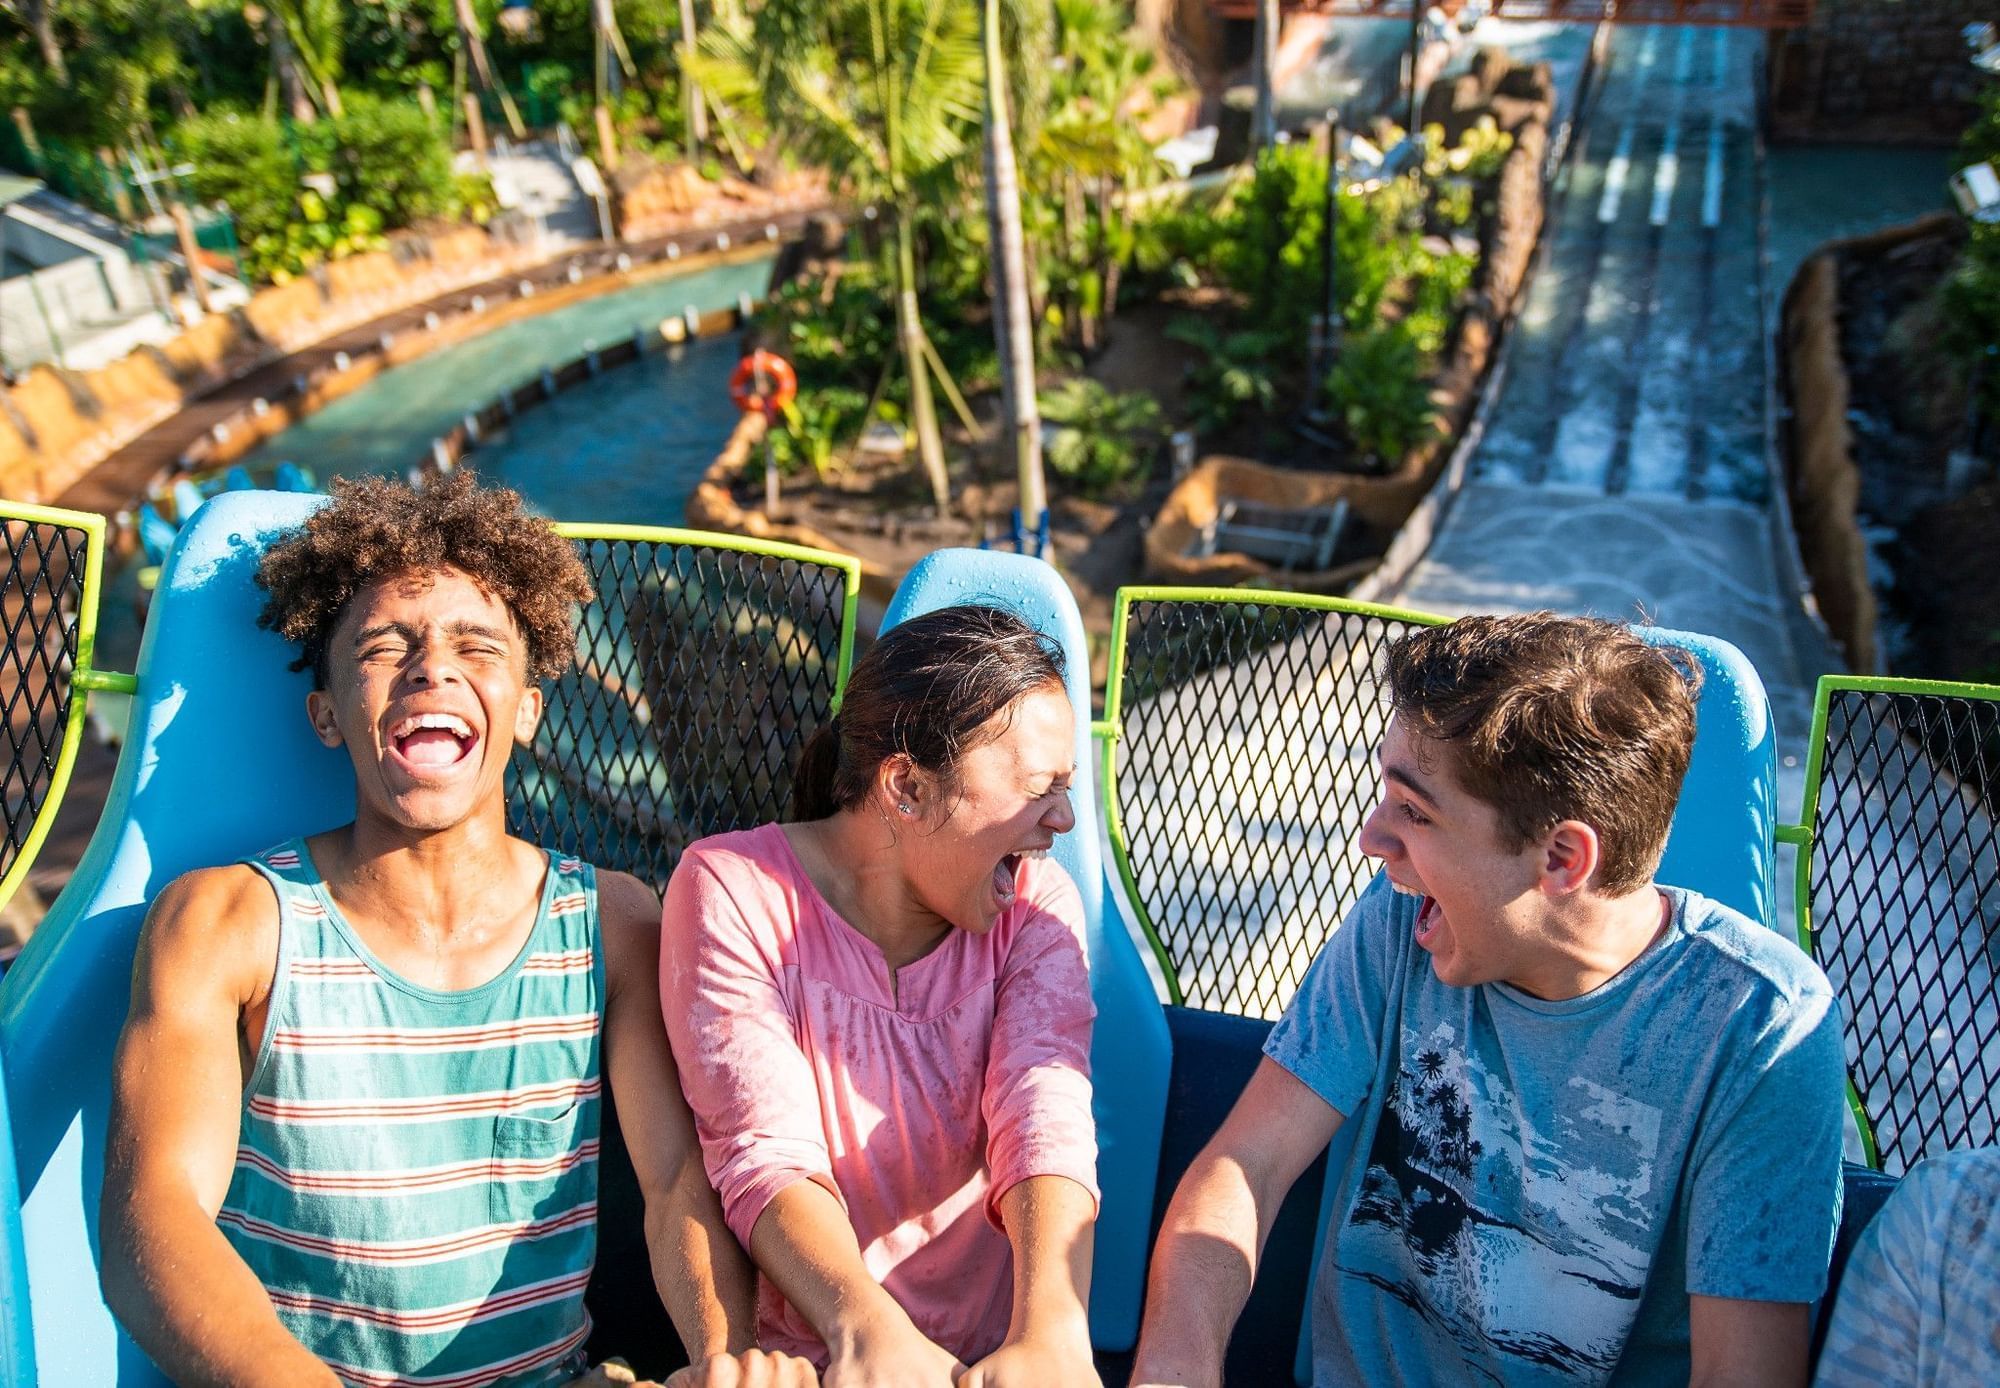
(626, 446)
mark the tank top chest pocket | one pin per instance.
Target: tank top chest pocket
(533, 1153)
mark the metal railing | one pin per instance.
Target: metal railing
(1240, 730)
(1899, 901)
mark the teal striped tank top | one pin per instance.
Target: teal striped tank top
(416, 1172)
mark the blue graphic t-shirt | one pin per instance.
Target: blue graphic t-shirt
(1527, 1192)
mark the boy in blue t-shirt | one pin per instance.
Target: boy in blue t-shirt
(1584, 1128)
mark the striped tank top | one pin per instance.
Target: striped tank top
(416, 1172)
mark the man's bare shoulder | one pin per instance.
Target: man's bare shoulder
(628, 918)
(220, 922)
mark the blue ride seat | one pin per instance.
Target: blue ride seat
(219, 762)
(1131, 1051)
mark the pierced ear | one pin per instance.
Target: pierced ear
(1570, 855)
(904, 787)
(319, 711)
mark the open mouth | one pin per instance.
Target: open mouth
(1428, 915)
(1005, 870)
(432, 741)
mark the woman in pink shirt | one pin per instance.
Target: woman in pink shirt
(881, 1014)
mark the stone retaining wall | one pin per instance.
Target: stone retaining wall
(1822, 482)
(57, 424)
(1890, 70)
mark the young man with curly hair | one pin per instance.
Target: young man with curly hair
(354, 1133)
(1584, 1128)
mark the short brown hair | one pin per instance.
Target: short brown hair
(1552, 718)
(375, 528)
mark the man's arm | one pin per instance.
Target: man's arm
(701, 1272)
(1218, 1220)
(207, 951)
(1755, 1344)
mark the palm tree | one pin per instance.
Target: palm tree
(882, 94)
(697, 113)
(313, 33)
(40, 17)
(1012, 327)
(1264, 128)
(482, 66)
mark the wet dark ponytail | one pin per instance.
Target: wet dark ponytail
(924, 691)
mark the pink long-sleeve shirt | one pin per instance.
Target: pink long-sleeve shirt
(918, 1106)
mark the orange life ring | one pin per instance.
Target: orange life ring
(770, 395)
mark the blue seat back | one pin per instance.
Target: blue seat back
(219, 762)
(1131, 1054)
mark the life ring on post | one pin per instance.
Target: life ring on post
(765, 382)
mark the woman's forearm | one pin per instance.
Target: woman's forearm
(805, 1245)
(1049, 1221)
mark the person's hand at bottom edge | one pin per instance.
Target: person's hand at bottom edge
(1034, 1364)
(754, 1369)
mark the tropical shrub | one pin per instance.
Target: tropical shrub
(813, 425)
(1238, 371)
(242, 163)
(1100, 442)
(1378, 391)
(392, 159)
(1273, 244)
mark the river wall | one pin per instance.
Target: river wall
(1896, 71)
(1823, 480)
(56, 424)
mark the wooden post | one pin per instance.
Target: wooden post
(607, 139)
(121, 196)
(475, 127)
(191, 253)
(24, 123)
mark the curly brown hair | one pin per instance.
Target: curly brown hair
(375, 527)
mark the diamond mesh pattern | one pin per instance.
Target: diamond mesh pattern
(1246, 765)
(1905, 890)
(41, 595)
(700, 672)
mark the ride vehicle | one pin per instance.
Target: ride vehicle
(1236, 757)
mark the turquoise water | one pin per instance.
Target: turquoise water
(389, 423)
(626, 447)
(1820, 193)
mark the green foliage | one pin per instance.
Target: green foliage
(839, 336)
(1104, 442)
(1439, 283)
(1970, 294)
(389, 164)
(318, 233)
(814, 425)
(1273, 247)
(1377, 389)
(390, 158)
(1238, 371)
(242, 162)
